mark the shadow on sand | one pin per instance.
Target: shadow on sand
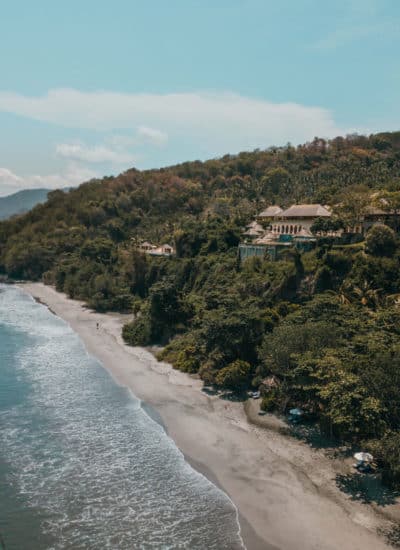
(392, 535)
(226, 395)
(309, 432)
(367, 488)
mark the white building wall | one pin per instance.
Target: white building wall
(291, 226)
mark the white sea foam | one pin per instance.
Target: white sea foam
(83, 450)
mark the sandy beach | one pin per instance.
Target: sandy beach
(285, 491)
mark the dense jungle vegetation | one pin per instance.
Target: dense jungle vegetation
(326, 323)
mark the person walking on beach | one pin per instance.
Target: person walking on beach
(97, 326)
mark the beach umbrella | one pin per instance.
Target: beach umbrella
(363, 457)
(296, 412)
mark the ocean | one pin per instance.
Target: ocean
(82, 464)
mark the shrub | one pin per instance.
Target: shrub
(381, 241)
(137, 333)
(235, 376)
(270, 401)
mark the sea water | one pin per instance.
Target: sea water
(82, 465)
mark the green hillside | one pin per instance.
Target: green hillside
(326, 323)
(21, 202)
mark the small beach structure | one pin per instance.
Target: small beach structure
(365, 462)
(296, 412)
(363, 457)
(270, 383)
(295, 415)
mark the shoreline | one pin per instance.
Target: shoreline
(285, 492)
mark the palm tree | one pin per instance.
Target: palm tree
(365, 294)
(393, 300)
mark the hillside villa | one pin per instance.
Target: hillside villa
(276, 229)
(154, 250)
(282, 229)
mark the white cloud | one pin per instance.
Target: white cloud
(72, 176)
(216, 122)
(8, 177)
(152, 135)
(96, 154)
(355, 32)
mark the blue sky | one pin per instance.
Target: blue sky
(92, 88)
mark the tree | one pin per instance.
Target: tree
(28, 261)
(354, 201)
(364, 293)
(275, 181)
(348, 407)
(387, 452)
(381, 241)
(136, 270)
(235, 376)
(326, 225)
(165, 310)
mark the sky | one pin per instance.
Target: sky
(92, 88)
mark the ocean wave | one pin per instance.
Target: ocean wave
(82, 450)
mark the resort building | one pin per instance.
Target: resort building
(298, 218)
(374, 216)
(269, 214)
(284, 229)
(276, 229)
(253, 230)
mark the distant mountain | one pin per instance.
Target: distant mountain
(21, 202)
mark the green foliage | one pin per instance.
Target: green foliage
(387, 450)
(138, 332)
(340, 363)
(351, 412)
(183, 352)
(374, 274)
(326, 225)
(235, 376)
(27, 262)
(271, 401)
(381, 241)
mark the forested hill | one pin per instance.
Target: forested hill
(155, 204)
(21, 202)
(325, 323)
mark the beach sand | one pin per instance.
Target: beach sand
(284, 490)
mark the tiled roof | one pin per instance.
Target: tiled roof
(254, 229)
(270, 212)
(306, 211)
(375, 211)
(254, 225)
